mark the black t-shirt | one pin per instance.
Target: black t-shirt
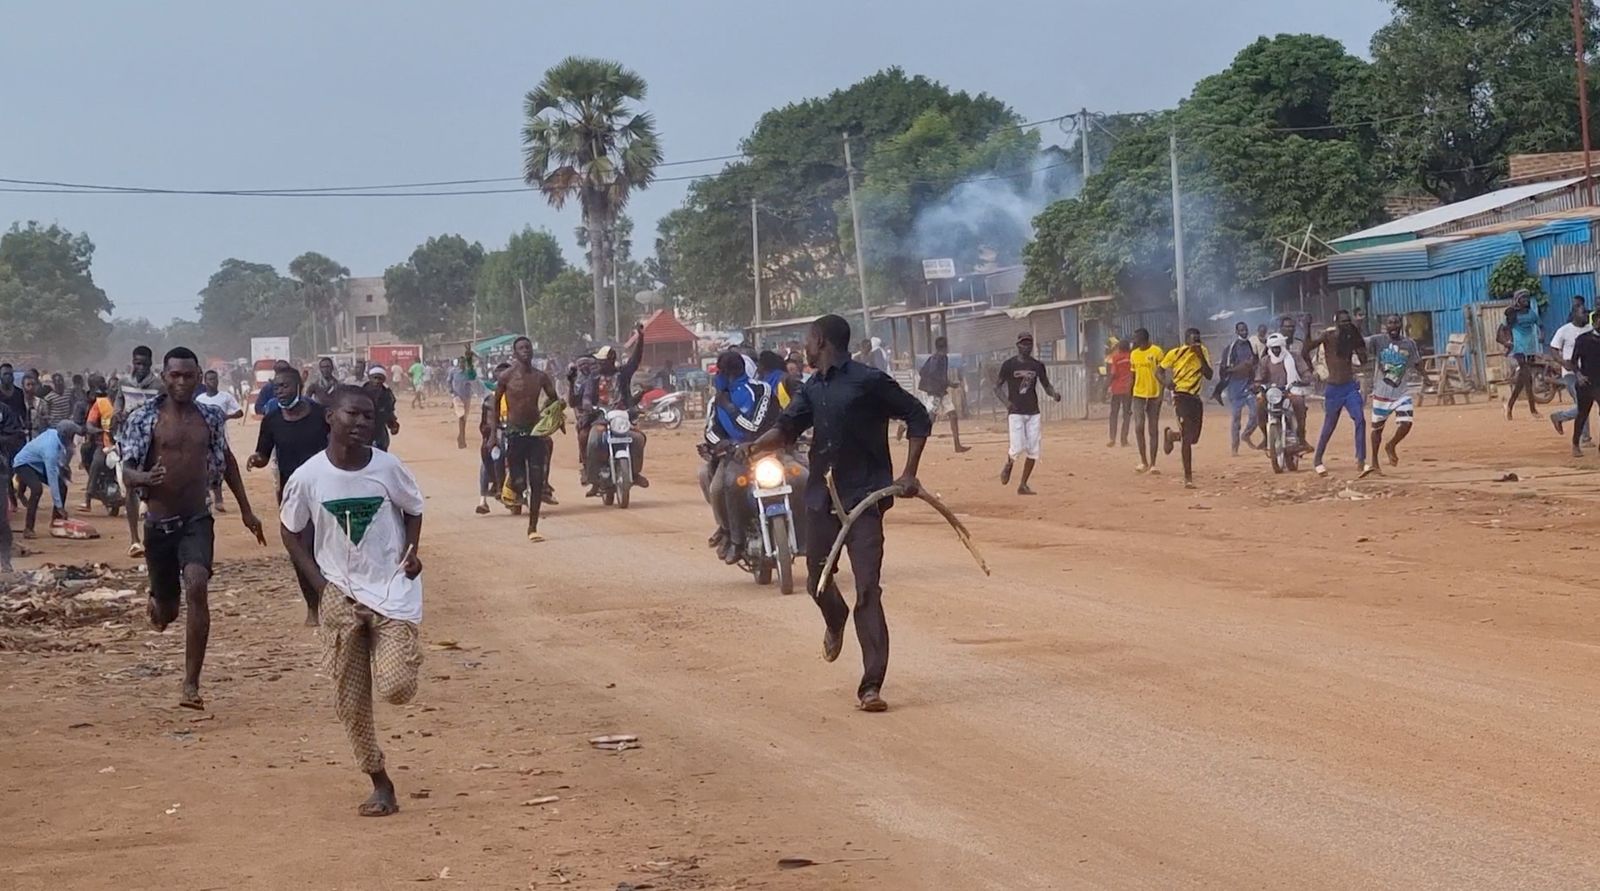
(296, 442)
(935, 376)
(1586, 356)
(1023, 378)
(17, 401)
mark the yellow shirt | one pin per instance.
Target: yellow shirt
(1145, 384)
(1184, 363)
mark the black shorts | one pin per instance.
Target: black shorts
(169, 546)
(1191, 411)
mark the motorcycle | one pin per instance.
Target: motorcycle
(661, 407)
(614, 478)
(770, 546)
(1283, 441)
(106, 486)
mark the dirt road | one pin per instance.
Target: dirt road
(1269, 682)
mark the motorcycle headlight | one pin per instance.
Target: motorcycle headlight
(618, 422)
(769, 472)
(1274, 396)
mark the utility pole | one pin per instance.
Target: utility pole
(1177, 230)
(755, 267)
(1083, 138)
(521, 292)
(1578, 24)
(855, 225)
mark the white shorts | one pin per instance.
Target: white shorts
(1400, 408)
(1026, 436)
(939, 406)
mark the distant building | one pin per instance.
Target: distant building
(362, 319)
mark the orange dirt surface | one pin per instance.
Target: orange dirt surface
(1270, 681)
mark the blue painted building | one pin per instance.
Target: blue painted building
(1431, 280)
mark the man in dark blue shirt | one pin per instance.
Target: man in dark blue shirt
(848, 405)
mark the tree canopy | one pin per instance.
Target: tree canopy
(532, 258)
(1266, 148)
(49, 302)
(432, 292)
(242, 300)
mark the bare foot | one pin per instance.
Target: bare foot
(961, 449)
(190, 698)
(1394, 457)
(381, 803)
(1005, 473)
(1024, 489)
(311, 617)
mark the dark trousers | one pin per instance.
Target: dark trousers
(865, 546)
(31, 491)
(526, 458)
(1121, 403)
(5, 517)
(1586, 400)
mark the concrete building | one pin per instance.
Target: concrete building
(363, 316)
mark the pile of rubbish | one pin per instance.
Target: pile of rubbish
(37, 602)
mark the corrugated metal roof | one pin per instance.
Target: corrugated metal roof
(1022, 312)
(1422, 223)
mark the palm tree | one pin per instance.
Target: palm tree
(582, 140)
(319, 281)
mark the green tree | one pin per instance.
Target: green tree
(1264, 151)
(532, 258)
(1461, 84)
(432, 292)
(242, 300)
(49, 302)
(321, 282)
(583, 141)
(560, 321)
(794, 168)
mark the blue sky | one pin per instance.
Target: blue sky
(183, 94)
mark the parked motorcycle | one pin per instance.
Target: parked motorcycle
(659, 407)
(614, 477)
(1283, 441)
(770, 543)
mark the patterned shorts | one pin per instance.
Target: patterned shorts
(1401, 408)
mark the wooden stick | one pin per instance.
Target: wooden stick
(894, 491)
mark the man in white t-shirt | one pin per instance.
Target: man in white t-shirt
(1561, 350)
(231, 409)
(361, 511)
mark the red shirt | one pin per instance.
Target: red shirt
(1120, 369)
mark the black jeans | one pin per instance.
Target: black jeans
(865, 546)
(1586, 400)
(526, 458)
(1121, 404)
(31, 490)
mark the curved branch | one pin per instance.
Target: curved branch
(894, 491)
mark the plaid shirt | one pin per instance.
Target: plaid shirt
(139, 429)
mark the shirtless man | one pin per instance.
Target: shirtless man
(174, 448)
(1343, 393)
(527, 391)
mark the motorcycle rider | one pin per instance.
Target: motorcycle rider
(98, 418)
(1279, 366)
(744, 408)
(608, 387)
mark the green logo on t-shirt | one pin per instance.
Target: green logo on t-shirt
(354, 514)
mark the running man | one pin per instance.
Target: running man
(224, 402)
(175, 449)
(1021, 378)
(527, 453)
(1586, 363)
(1395, 383)
(935, 382)
(1561, 345)
(321, 389)
(1145, 358)
(383, 403)
(352, 523)
(1238, 371)
(848, 405)
(1340, 343)
(294, 433)
(460, 384)
(1183, 368)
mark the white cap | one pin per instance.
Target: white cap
(377, 371)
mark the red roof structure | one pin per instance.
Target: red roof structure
(667, 340)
